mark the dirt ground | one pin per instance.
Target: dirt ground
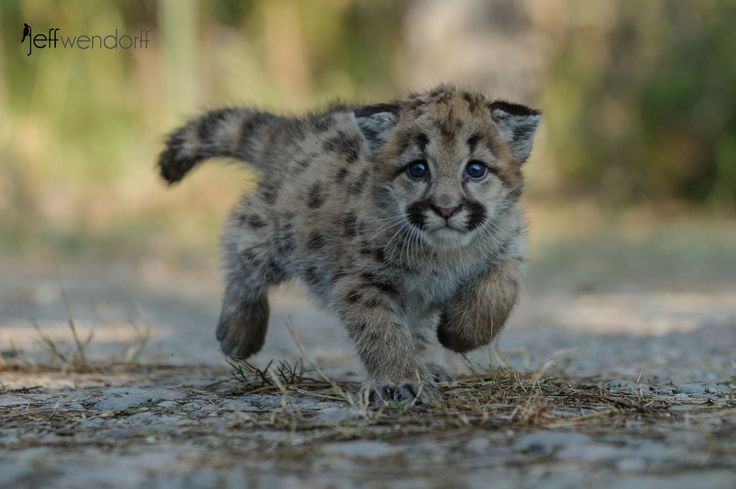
(618, 369)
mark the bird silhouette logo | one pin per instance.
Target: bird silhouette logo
(26, 31)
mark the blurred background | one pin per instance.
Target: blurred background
(631, 188)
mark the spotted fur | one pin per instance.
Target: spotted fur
(395, 257)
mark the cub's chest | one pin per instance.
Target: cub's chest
(434, 284)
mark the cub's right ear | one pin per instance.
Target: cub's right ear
(375, 123)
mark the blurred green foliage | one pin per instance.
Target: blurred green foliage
(639, 100)
(644, 109)
(80, 130)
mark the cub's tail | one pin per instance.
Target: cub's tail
(233, 132)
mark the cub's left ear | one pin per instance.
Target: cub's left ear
(516, 125)
(375, 123)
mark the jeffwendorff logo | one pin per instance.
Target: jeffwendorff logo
(83, 41)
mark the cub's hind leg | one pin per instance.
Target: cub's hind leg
(251, 266)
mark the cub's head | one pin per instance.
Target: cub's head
(449, 161)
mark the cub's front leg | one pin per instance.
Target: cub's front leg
(384, 344)
(479, 311)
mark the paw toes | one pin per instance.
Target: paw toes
(388, 392)
(408, 390)
(439, 373)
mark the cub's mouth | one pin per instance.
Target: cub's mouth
(449, 229)
(447, 235)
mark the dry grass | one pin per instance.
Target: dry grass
(77, 359)
(296, 394)
(293, 396)
(142, 336)
(502, 398)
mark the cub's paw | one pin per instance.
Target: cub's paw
(242, 331)
(237, 341)
(383, 393)
(439, 373)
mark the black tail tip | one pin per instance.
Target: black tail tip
(173, 169)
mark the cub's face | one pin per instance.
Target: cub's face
(450, 163)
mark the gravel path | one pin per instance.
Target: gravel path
(631, 386)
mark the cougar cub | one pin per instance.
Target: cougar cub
(403, 218)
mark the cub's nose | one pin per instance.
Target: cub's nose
(446, 212)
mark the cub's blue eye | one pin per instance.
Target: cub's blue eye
(476, 170)
(418, 169)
